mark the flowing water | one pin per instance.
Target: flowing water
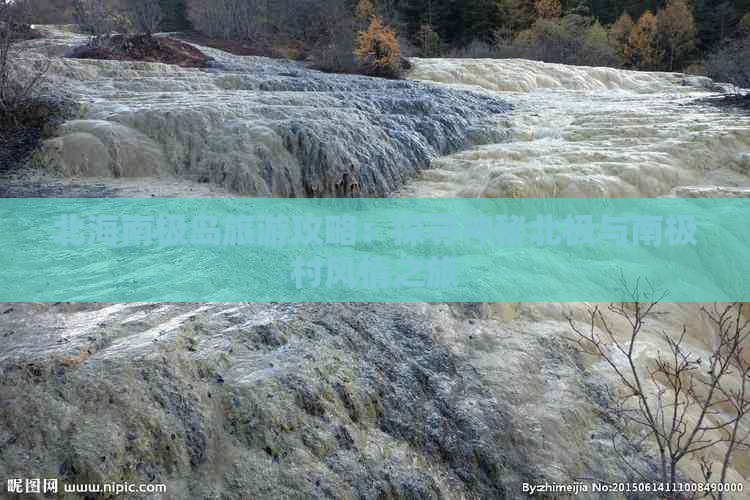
(591, 132)
(598, 132)
(511, 128)
(253, 126)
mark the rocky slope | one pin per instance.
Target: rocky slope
(237, 401)
(590, 132)
(234, 401)
(254, 126)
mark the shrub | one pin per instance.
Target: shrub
(378, 50)
(24, 112)
(321, 31)
(144, 48)
(479, 49)
(695, 69)
(568, 41)
(15, 86)
(526, 38)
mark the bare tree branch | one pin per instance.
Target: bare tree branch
(684, 407)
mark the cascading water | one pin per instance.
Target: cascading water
(591, 132)
(254, 126)
(598, 132)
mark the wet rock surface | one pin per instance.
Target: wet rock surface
(582, 132)
(342, 400)
(24, 187)
(733, 102)
(239, 401)
(254, 125)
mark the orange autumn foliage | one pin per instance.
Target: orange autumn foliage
(364, 10)
(677, 29)
(643, 44)
(378, 47)
(548, 9)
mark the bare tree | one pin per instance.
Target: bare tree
(730, 63)
(146, 15)
(49, 11)
(729, 359)
(13, 87)
(7, 15)
(94, 17)
(235, 19)
(323, 30)
(724, 17)
(686, 405)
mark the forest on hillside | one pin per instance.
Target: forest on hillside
(373, 36)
